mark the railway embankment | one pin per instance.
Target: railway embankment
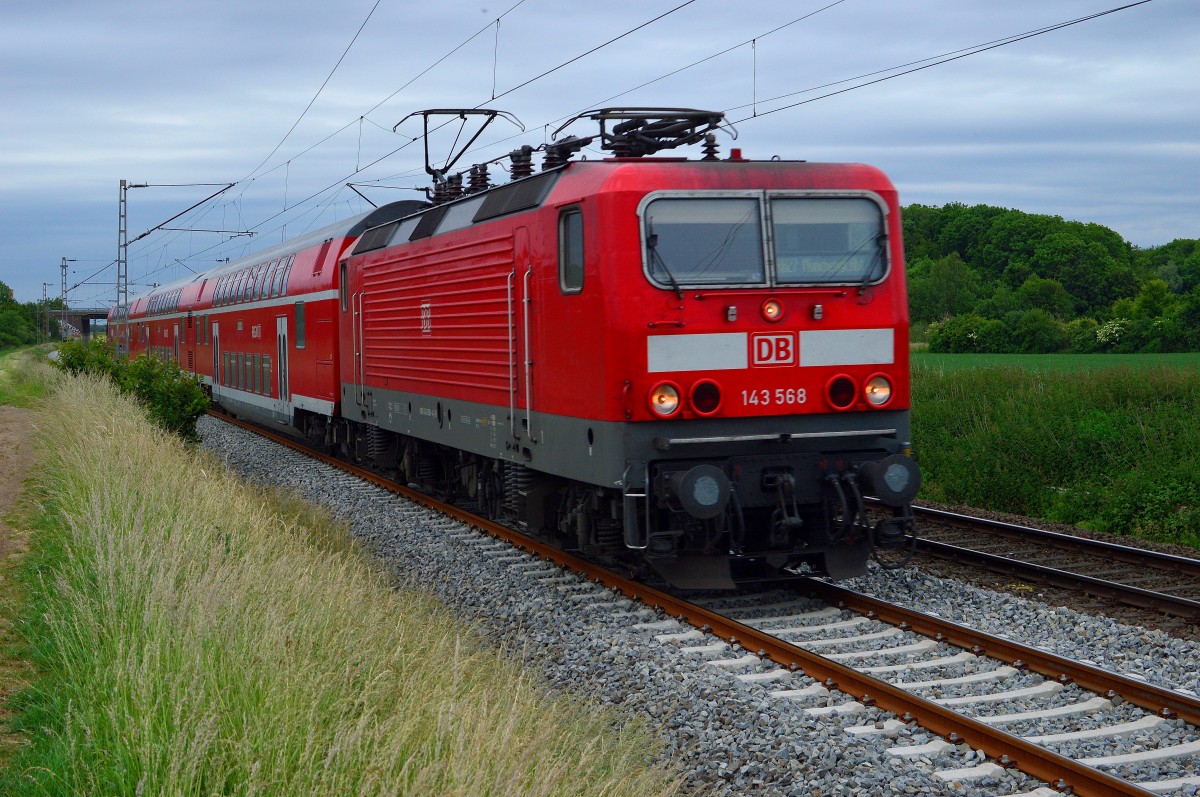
(186, 633)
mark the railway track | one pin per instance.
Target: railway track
(1132, 576)
(799, 653)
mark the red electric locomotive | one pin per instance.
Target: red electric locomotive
(696, 367)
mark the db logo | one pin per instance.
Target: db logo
(777, 349)
(426, 318)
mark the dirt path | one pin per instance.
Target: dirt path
(16, 457)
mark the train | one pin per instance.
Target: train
(696, 369)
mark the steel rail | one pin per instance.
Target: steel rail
(1067, 542)
(1005, 748)
(1125, 593)
(1160, 700)
(1128, 594)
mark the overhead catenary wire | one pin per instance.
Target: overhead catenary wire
(958, 54)
(343, 180)
(324, 83)
(755, 104)
(359, 168)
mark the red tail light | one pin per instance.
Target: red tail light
(841, 392)
(705, 397)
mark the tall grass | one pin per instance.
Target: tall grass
(193, 640)
(25, 376)
(1115, 450)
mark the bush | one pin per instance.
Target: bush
(175, 400)
(1081, 336)
(96, 356)
(958, 334)
(1037, 332)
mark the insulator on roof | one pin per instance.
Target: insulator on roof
(454, 186)
(554, 158)
(479, 179)
(522, 162)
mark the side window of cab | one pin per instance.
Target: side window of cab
(570, 250)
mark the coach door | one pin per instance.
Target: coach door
(189, 341)
(281, 355)
(175, 344)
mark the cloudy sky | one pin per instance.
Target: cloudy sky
(1097, 121)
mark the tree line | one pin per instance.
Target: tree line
(990, 279)
(21, 323)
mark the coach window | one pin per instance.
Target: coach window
(259, 273)
(570, 250)
(280, 275)
(299, 325)
(248, 290)
(287, 272)
(270, 288)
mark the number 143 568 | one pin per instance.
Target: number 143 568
(778, 397)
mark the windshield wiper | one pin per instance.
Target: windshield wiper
(881, 258)
(652, 246)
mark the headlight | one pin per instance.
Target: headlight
(878, 390)
(664, 399)
(772, 310)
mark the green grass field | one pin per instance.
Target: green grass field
(1112, 449)
(1054, 362)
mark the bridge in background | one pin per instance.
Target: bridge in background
(83, 318)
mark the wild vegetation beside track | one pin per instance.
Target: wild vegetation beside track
(25, 376)
(1113, 449)
(192, 635)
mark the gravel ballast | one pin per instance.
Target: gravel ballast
(728, 736)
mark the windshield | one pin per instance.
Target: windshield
(718, 240)
(704, 241)
(823, 239)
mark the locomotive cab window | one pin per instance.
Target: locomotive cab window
(570, 251)
(828, 239)
(704, 241)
